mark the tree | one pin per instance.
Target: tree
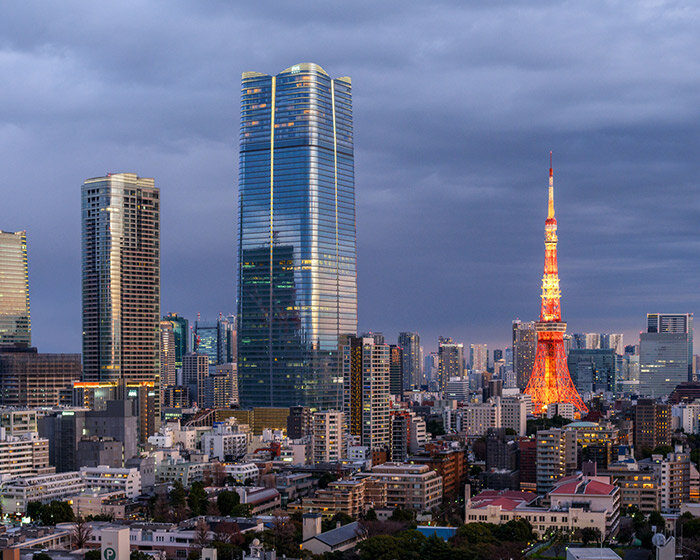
(380, 547)
(161, 509)
(229, 504)
(559, 539)
(198, 499)
(56, 512)
(138, 555)
(218, 475)
(93, 555)
(590, 534)
(201, 534)
(371, 515)
(405, 515)
(34, 510)
(178, 496)
(229, 533)
(41, 556)
(81, 533)
(325, 479)
(657, 520)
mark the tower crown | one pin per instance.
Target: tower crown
(551, 307)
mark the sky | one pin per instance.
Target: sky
(456, 107)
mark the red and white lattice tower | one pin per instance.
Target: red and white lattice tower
(550, 381)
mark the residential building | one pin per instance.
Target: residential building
(329, 437)
(411, 356)
(514, 413)
(297, 287)
(23, 455)
(224, 443)
(299, 422)
(639, 484)
(449, 463)
(17, 422)
(31, 379)
(102, 477)
(352, 496)
(450, 361)
(673, 477)
(18, 492)
(410, 486)
(665, 353)
(478, 418)
(652, 424)
(556, 457)
(15, 323)
(366, 391)
(121, 286)
(686, 417)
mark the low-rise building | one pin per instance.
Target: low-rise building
(18, 492)
(243, 473)
(23, 455)
(352, 496)
(224, 443)
(410, 486)
(186, 472)
(259, 499)
(109, 479)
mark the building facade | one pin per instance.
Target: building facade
(524, 348)
(297, 252)
(665, 353)
(450, 361)
(15, 323)
(412, 367)
(121, 284)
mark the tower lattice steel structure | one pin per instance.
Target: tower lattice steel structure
(550, 381)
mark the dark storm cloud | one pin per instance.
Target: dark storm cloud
(456, 105)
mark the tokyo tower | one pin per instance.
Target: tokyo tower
(550, 381)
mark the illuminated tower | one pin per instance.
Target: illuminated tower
(550, 381)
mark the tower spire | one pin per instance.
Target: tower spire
(550, 381)
(550, 213)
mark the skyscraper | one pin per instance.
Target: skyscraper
(121, 287)
(167, 355)
(15, 324)
(396, 370)
(450, 361)
(665, 353)
(478, 357)
(524, 346)
(410, 348)
(297, 265)
(181, 332)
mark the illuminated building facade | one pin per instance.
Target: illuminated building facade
(524, 348)
(121, 287)
(181, 333)
(550, 381)
(450, 361)
(297, 254)
(366, 395)
(15, 324)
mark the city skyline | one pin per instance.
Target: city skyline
(467, 202)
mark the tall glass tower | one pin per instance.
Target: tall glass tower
(15, 325)
(121, 289)
(297, 281)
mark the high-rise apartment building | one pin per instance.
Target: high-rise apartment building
(614, 341)
(652, 424)
(593, 341)
(478, 357)
(665, 353)
(450, 361)
(329, 437)
(15, 324)
(167, 355)
(395, 370)
(121, 285)
(524, 347)
(297, 282)
(412, 370)
(366, 391)
(181, 332)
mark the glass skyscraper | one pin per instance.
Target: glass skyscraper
(15, 325)
(297, 283)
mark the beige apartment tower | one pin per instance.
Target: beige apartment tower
(121, 289)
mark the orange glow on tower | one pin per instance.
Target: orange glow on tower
(550, 381)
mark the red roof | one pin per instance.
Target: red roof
(507, 499)
(584, 487)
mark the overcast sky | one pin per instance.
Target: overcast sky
(456, 106)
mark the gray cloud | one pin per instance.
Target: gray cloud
(456, 105)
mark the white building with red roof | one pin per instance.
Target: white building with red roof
(575, 502)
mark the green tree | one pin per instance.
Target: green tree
(434, 548)
(34, 510)
(56, 512)
(662, 450)
(589, 535)
(138, 555)
(474, 533)
(657, 520)
(93, 555)
(198, 499)
(405, 515)
(229, 504)
(381, 547)
(178, 496)
(371, 515)
(325, 479)
(41, 556)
